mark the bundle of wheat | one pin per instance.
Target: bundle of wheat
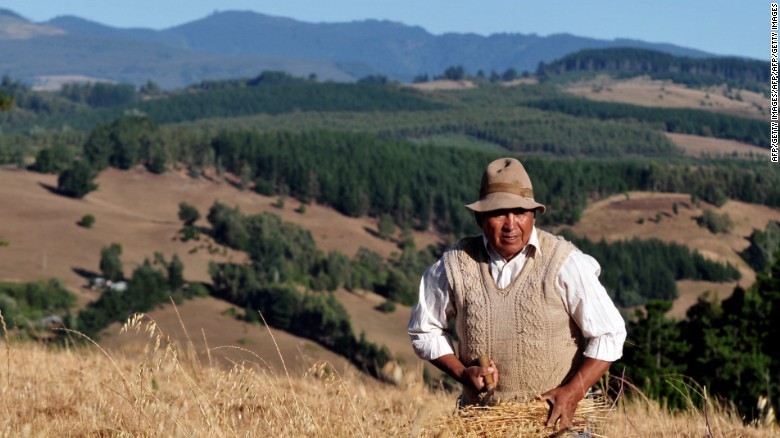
(517, 419)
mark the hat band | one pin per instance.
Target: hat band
(506, 188)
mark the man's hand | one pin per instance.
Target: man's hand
(563, 399)
(474, 376)
(563, 402)
(471, 376)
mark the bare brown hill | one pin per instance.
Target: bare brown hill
(388, 329)
(139, 210)
(648, 92)
(220, 338)
(698, 146)
(651, 215)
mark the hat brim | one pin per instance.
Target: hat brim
(504, 201)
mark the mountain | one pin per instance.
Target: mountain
(243, 43)
(14, 27)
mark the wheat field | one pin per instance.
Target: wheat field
(164, 390)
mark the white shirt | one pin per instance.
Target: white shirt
(583, 296)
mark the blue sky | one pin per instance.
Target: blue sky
(723, 27)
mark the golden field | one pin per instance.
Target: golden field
(166, 390)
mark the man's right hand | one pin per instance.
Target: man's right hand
(474, 376)
(471, 376)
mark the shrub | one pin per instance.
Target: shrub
(196, 290)
(110, 263)
(386, 307)
(716, 223)
(77, 181)
(87, 221)
(386, 226)
(188, 213)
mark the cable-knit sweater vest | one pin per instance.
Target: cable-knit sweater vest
(524, 328)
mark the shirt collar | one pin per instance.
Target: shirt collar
(533, 241)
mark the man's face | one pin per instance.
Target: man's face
(508, 231)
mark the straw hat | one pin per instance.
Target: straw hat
(505, 185)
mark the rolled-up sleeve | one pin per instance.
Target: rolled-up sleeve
(428, 321)
(591, 307)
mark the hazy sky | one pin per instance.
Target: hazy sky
(723, 27)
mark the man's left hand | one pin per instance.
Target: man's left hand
(563, 399)
(563, 402)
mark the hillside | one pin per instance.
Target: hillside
(139, 211)
(46, 242)
(645, 91)
(651, 215)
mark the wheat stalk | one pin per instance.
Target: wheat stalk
(516, 419)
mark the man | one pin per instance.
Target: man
(527, 299)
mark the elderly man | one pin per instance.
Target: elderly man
(527, 299)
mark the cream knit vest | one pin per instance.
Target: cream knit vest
(524, 328)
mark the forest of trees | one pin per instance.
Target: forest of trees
(746, 73)
(283, 257)
(417, 184)
(637, 271)
(728, 347)
(421, 185)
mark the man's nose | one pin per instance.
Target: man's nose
(510, 223)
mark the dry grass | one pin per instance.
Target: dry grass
(516, 419)
(640, 417)
(166, 391)
(698, 146)
(648, 92)
(443, 84)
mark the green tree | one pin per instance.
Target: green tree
(110, 263)
(125, 142)
(764, 246)
(175, 273)
(188, 214)
(53, 159)
(654, 352)
(87, 221)
(509, 75)
(77, 181)
(386, 226)
(455, 73)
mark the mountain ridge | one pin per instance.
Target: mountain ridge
(341, 51)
